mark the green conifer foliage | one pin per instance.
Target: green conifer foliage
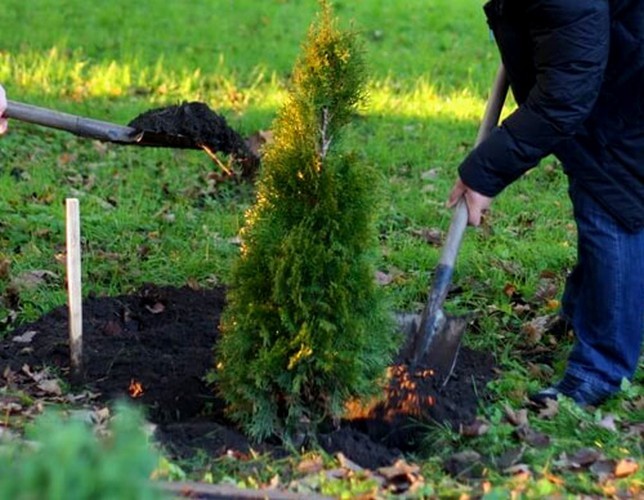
(305, 328)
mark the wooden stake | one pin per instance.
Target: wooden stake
(74, 291)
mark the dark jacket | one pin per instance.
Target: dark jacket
(576, 69)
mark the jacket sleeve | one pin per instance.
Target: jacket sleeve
(570, 43)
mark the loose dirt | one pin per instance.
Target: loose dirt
(163, 338)
(207, 129)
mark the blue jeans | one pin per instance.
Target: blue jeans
(604, 298)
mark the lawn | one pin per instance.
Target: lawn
(157, 216)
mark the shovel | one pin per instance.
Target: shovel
(436, 336)
(95, 129)
(191, 125)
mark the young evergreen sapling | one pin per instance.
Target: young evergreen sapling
(306, 327)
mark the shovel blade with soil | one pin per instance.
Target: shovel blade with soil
(435, 336)
(191, 125)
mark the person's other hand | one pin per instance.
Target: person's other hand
(477, 203)
(3, 106)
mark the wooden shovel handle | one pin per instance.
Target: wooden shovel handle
(79, 125)
(489, 121)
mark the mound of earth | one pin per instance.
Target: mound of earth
(162, 339)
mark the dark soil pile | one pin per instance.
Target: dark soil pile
(203, 126)
(163, 338)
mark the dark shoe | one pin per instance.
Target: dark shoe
(540, 398)
(580, 391)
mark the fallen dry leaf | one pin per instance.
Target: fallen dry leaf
(535, 329)
(387, 278)
(550, 410)
(274, 483)
(84, 396)
(347, 463)
(26, 337)
(340, 473)
(193, 284)
(603, 469)
(476, 428)
(610, 490)
(310, 465)
(636, 404)
(509, 289)
(635, 430)
(553, 305)
(399, 468)
(539, 371)
(8, 374)
(430, 235)
(554, 479)
(101, 415)
(518, 469)
(30, 280)
(401, 477)
(520, 473)
(238, 455)
(466, 463)
(156, 308)
(608, 423)
(626, 467)
(510, 267)
(517, 418)
(521, 309)
(36, 377)
(7, 407)
(549, 274)
(546, 290)
(584, 457)
(510, 457)
(532, 437)
(50, 386)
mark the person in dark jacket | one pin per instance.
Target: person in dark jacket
(576, 69)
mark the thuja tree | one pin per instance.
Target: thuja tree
(305, 327)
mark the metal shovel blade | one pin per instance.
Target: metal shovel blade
(443, 333)
(434, 344)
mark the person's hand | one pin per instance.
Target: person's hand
(477, 203)
(3, 106)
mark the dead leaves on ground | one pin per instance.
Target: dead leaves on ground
(27, 281)
(393, 275)
(595, 462)
(30, 280)
(399, 478)
(549, 410)
(25, 393)
(476, 428)
(606, 471)
(432, 236)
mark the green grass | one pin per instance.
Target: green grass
(152, 215)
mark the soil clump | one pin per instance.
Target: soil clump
(206, 128)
